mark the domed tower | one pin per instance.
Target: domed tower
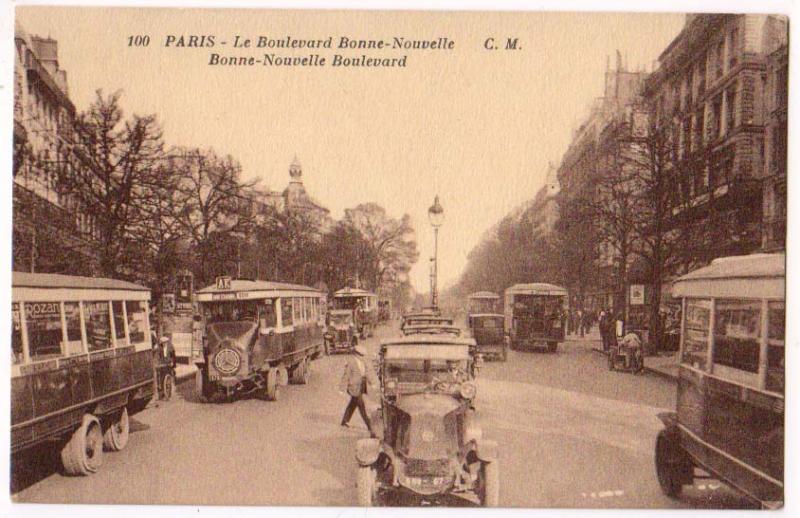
(295, 193)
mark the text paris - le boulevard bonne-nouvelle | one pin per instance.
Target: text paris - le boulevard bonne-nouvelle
(312, 59)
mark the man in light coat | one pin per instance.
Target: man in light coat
(357, 375)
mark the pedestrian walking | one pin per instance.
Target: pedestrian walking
(604, 328)
(357, 376)
(580, 321)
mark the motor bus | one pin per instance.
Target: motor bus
(534, 315)
(729, 416)
(81, 364)
(363, 303)
(257, 336)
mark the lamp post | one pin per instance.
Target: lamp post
(436, 217)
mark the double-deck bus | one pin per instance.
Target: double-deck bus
(257, 336)
(535, 315)
(81, 364)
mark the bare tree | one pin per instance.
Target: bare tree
(211, 205)
(391, 242)
(114, 162)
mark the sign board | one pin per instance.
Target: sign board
(223, 283)
(168, 303)
(637, 294)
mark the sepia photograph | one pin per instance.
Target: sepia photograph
(359, 258)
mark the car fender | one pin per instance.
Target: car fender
(367, 451)
(486, 450)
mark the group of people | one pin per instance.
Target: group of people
(580, 322)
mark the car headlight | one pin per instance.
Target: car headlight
(468, 390)
(390, 386)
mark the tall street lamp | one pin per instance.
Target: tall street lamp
(436, 217)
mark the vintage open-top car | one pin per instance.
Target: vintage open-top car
(490, 337)
(341, 335)
(430, 444)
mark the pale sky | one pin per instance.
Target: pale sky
(477, 127)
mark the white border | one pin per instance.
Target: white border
(791, 475)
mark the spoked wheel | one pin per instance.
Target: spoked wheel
(116, 436)
(271, 386)
(673, 466)
(83, 454)
(367, 486)
(488, 489)
(167, 387)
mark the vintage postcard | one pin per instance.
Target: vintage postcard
(357, 258)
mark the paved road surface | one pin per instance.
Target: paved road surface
(571, 434)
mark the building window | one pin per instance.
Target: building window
(716, 118)
(733, 48)
(701, 77)
(719, 60)
(730, 111)
(699, 124)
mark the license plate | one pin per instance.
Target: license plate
(213, 377)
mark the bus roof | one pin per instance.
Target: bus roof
(766, 274)
(536, 288)
(353, 292)
(73, 282)
(254, 290)
(51, 287)
(483, 295)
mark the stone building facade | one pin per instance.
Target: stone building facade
(51, 233)
(776, 99)
(709, 92)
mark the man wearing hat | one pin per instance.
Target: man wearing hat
(357, 374)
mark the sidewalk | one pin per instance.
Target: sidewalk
(664, 364)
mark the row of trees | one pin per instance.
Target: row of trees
(632, 218)
(159, 211)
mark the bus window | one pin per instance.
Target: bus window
(72, 316)
(737, 334)
(695, 337)
(306, 309)
(775, 346)
(268, 316)
(119, 322)
(98, 325)
(137, 320)
(296, 310)
(43, 321)
(16, 335)
(286, 312)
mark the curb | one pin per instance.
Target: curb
(660, 373)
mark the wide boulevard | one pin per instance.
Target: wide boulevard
(571, 434)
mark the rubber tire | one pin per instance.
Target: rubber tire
(167, 387)
(489, 484)
(271, 388)
(552, 347)
(116, 436)
(670, 460)
(365, 485)
(87, 439)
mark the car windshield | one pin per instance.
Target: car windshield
(231, 311)
(424, 371)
